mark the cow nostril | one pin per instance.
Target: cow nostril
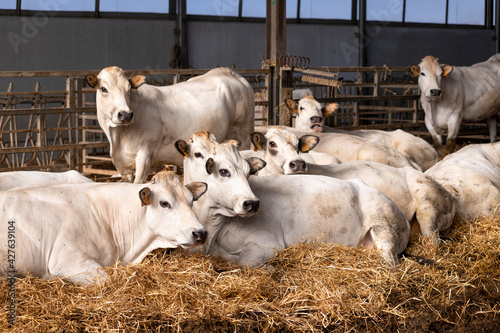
(297, 165)
(315, 119)
(251, 205)
(200, 236)
(125, 116)
(435, 92)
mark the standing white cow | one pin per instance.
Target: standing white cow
(420, 198)
(472, 177)
(450, 95)
(293, 210)
(73, 230)
(310, 116)
(142, 121)
(13, 179)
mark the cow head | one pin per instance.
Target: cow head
(169, 209)
(281, 150)
(224, 170)
(309, 114)
(430, 73)
(113, 90)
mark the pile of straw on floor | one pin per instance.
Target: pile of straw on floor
(310, 288)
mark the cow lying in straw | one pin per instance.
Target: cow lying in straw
(73, 230)
(292, 210)
(310, 116)
(419, 196)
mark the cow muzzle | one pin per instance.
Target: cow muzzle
(125, 117)
(251, 206)
(434, 93)
(199, 236)
(297, 166)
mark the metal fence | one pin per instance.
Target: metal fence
(55, 130)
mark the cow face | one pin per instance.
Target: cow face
(430, 74)
(282, 148)
(113, 90)
(169, 209)
(225, 172)
(309, 114)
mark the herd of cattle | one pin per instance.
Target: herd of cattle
(251, 191)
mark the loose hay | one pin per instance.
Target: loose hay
(307, 288)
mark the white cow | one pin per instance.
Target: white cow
(142, 121)
(472, 177)
(310, 116)
(293, 210)
(13, 179)
(73, 230)
(353, 148)
(450, 95)
(420, 198)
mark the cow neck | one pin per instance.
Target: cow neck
(209, 213)
(125, 223)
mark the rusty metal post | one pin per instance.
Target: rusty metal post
(275, 48)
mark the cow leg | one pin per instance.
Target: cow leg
(253, 254)
(492, 126)
(143, 162)
(436, 138)
(453, 129)
(77, 268)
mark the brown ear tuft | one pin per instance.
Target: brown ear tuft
(415, 70)
(292, 105)
(145, 196)
(447, 69)
(91, 80)
(137, 80)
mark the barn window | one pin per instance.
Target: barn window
(466, 12)
(254, 8)
(134, 6)
(213, 8)
(426, 11)
(385, 10)
(325, 9)
(8, 4)
(47, 5)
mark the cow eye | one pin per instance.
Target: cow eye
(272, 144)
(104, 90)
(301, 108)
(165, 204)
(224, 173)
(422, 73)
(198, 155)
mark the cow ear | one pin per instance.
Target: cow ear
(137, 80)
(447, 69)
(308, 142)
(415, 70)
(182, 147)
(91, 80)
(256, 164)
(292, 105)
(209, 166)
(329, 109)
(234, 142)
(197, 189)
(145, 196)
(258, 140)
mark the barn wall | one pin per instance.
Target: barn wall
(65, 43)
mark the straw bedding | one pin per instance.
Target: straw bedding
(307, 288)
